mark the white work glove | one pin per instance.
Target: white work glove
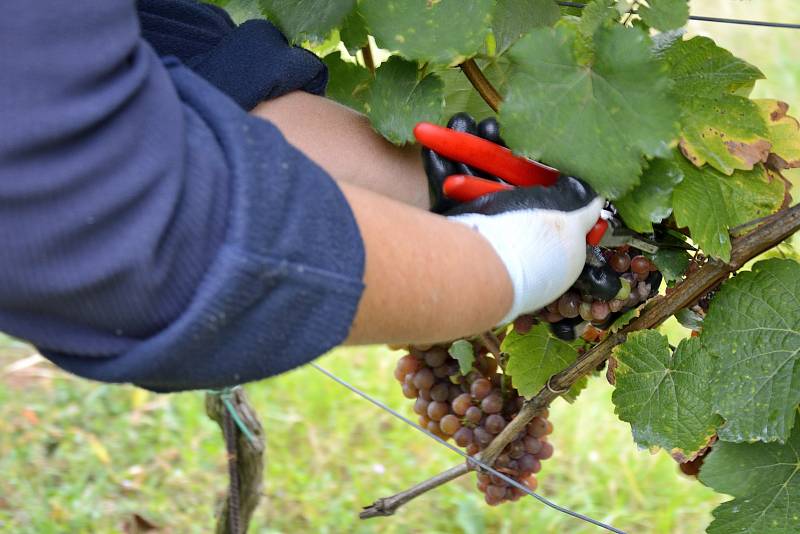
(540, 235)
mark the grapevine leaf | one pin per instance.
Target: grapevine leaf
(398, 99)
(671, 262)
(763, 478)
(725, 131)
(534, 357)
(719, 127)
(623, 320)
(443, 31)
(784, 132)
(302, 19)
(665, 15)
(699, 67)
(241, 10)
(460, 95)
(710, 203)
(353, 31)
(753, 330)
(651, 200)
(597, 14)
(514, 18)
(665, 395)
(593, 121)
(576, 389)
(463, 351)
(347, 82)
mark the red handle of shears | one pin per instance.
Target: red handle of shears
(485, 155)
(465, 188)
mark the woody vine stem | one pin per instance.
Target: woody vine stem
(769, 233)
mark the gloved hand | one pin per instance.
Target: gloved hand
(438, 167)
(540, 235)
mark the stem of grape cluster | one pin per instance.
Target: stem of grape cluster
(763, 237)
(481, 84)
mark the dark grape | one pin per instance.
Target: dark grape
(496, 492)
(546, 452)
(425, 394)
(524, 323)
(463, 436)
(620, 261)
(531, 482)
(410, 392)
(516, 449)
(454, 391)
(495, 423)
(424, 379)
(433, 427)
(640, 265)
(491, 501)
(483, 483)
(532, 444)
(529, 464)
(569, 304)
(480, 388)
(472, 449)
(538, 427)
(565, 329)
(602, 283)
(552, 307)
(473, 415)
(436, 357)
(462, 403)
(450, 424)
(437, 410)
(482, 437)
(616, 305)
(421, 406)
(492, 403)
(440, 392)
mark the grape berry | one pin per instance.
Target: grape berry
(472, 410)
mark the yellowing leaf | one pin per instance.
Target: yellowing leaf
(784, 132)
(98, 449)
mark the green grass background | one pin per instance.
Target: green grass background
(77, 456)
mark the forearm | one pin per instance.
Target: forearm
(427, 278)
(343, 143)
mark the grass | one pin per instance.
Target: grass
(81, 457)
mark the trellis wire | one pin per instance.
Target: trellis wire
(721, 20)
(469, 458)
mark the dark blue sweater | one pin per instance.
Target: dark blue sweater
(152, 231)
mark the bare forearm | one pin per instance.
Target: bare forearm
(343, 143)
(427, 278)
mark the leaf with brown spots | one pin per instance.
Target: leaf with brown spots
(784, 132)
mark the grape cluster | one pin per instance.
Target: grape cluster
(613, 281)
(472, 409)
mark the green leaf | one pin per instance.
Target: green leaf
(710, 203)
(303, 19)
(596, 122)
(623, 320)
(699, 67)
(651, 201)
(597, 14)
(460, 95)
(576, 389)
(672, 262)
(689, 319)
(665, 15)
(463, 351)
(665, 396)
(784, 133)
(514, 18)
(398, 100)
(348, 83)
(763, 478)
(443, 31)
(534, 357)
(753, 329)
(241, 10)
(726, 131)
(353, 31)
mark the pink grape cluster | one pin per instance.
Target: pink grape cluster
(472, 409)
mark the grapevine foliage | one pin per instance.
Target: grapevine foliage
(662, 125)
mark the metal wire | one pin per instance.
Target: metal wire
(721, 20)
(469, 458)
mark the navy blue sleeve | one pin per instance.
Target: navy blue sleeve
(250, 63)
(152, 231)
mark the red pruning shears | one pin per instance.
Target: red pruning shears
(495, 159)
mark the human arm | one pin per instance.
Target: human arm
(343, 143)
